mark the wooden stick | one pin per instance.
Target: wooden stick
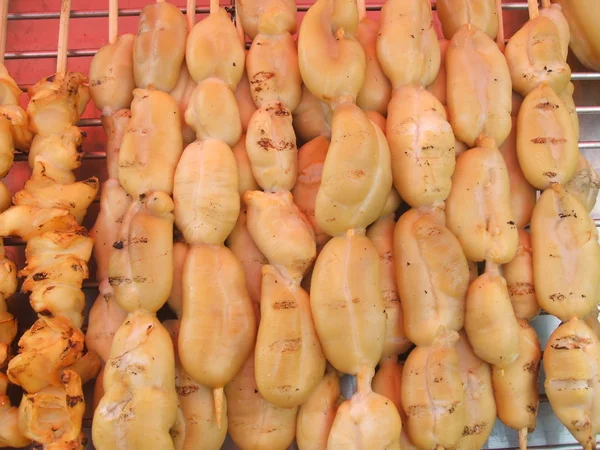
(238, 25)
(218, 395)
(113, 20)
(214, 6)
(534, 9)
(362, 9)
(500, 35)
(546, 4)
(3, 24)
(63, 36)
(523, 439)
(190, 13)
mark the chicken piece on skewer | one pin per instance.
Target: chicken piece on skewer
(381, 234)
(182, 94)
(554, 12)
(347, 304)
(152, 144)
(254, 423)
(480, 405)
(567, 98)
(516, 385)
(422, 146)
(139, 385)
(585, 184)
(357, 175)
(408, 25)
(433, 395)
(10, 435)
(111, 75)
(546, 140)
(432, 296)
(519, 280)
(535, 54)
(8, 323)
(487, 232)
(311, 159)
(377, 89)
(490, 321)
(572, 365)
(388, 382)
(316, 415)
(243, 98)
(141, 260)
(267, 16)
(201, 430)
(367, 420)
(312, 118)
(591, 320)
(522, 194)
(9, 89)
(479, 103)
(585, 36)
(561, 231)
(289, 359)
(159, 46)
(455, 13)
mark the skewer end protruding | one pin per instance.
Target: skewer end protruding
(113, 20)
(534, 9)
(214, 6)
(500, 35)
(63, 36)
(523, 439)
(362, 9)
(190, 13)
(4, 23)
(238, 25)
(218, 395)
(546, 4)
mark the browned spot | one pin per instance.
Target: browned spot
(358, 173)
(547, 105)
(118, 245)
(415, 410)
(453, 407)
(520, 288)
(40, 276)
(117, 281)
(139, 279)
(558, 297)
(72, 401)
(571, 342)
(286, 345)
(184, 391)
(287, 304)
(261, 77)
(546, 140)
(532, 409)
(284, 388)
(531, 367)
(355, 300)
(141, 240)
(478, 428)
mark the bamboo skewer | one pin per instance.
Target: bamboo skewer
(63, 36)
(523, 439)
(4, 23)
(238, 25)
(214, 6)
(546, 4)
(362, 9)
(534, 9)
(500, 35)
(190, 14)
(113, 20)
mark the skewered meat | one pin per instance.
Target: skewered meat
(555, 14)
(10, 435)
(175, 300)
(267, 16)
(490, 321)
(254, 423)
(534, 55)
(64, 150)
(479, 99)
(111, 75)
(19, 126)
(546, 141)
(244, 100)
(152, 144)
(346, 303)
(408, 26)
(367, 420)
(522, 194)
(115, 127)
(433, 395)
(432, 274)
(206, 212)
(585, 184)
(9, 89)
(585, 36)
(316, 415)
(182, 94)
(487, 231)
(289, 360)
(357, 175)
(455, 13)
(572, 367)
(331, 60)
(422, 146)
(516, 384)
(159, 47)
(201, 430)
(246, 180)
(376, 91)
(311, 159)
(567, 97)
(566, 255)
(139, 406)
(519, 279)
(141, 261)
(216, 301)
(312, 118)
(8, 323)
(480, 405)
(381, 234)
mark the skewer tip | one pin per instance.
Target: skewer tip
(218, 395)
(523, 439)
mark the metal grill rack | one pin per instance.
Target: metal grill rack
(549, 434)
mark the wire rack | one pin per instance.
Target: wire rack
(549, 434)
